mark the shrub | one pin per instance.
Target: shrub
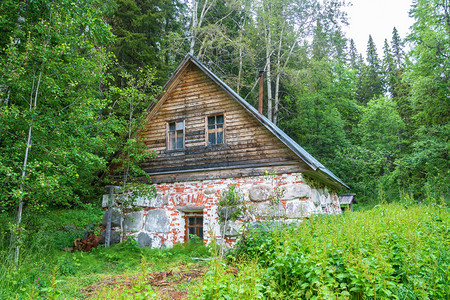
(392, 251)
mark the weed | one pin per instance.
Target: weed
(393, 251)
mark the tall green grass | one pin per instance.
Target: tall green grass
(392, 251)
(46, 272)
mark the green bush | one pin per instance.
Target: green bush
(393, 251)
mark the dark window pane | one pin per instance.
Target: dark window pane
(219, 119)
(211, 120)
(220, 138)
(200, 233)
(199, 220)
(172, 126)
(191, 221)
(212, 138)
(191, 230)
(180, 141)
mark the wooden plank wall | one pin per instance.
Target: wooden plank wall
(247, 142)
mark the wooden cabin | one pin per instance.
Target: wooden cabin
(207, 138)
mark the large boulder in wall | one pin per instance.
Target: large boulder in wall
(157, 221)
(148, 240)
(134, 221)
(296, 191)
(116, 216)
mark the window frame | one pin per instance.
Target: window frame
(207, 129)
(168, 134)
(196, 226)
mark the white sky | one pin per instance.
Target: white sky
(378, 18)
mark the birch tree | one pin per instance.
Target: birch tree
(198, 12)
(285, 25)
(51, 71)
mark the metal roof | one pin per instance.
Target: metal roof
(347, 199)
(296, 148)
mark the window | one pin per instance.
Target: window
(175, 135)
(194, 225)
(215, 130)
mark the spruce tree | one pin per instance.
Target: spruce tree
(353, 55)
(388, 69)
(399, 88)
(142, 30)
(397, 49)
(372, 81)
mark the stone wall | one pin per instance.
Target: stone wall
(160, 222)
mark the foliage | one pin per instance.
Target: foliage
(379, 124)
(396, 251)
(45, 270)
(142, 30)
(427, 73)
(50, 96)
(130, 103)
(220, 282)
(231, 204)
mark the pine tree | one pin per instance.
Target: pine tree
(320, 47)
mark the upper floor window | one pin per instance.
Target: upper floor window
(175, 135)
(215, 130)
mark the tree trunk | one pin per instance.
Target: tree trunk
(109, 216)
(269, 74)
(193, 27)
(238, 85)
(16, 236)
(277, 99)
(197, 21)
(277, 80)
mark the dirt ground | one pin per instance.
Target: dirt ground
(168, 285)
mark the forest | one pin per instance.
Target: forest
(76, 78)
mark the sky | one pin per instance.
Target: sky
(378, 18)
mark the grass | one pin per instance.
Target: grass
(119, 270)
(392, 251)
(46, 272)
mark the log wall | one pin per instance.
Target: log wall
(248, 144)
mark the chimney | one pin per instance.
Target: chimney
(261, 89)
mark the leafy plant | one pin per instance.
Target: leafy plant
(392, 251)
(230, 204)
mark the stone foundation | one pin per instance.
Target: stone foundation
(161, 220)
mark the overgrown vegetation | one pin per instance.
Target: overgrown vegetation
(72, 87)
(393, 251)
(47, 271)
